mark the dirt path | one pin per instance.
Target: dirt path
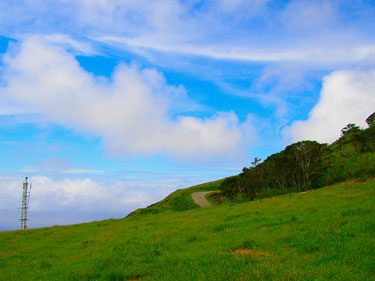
(199, 198)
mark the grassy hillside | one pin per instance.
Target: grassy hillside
(180, 200)
(325, 234)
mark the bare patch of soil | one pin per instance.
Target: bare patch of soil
(263, 227)
(241, 252)
(288, 249)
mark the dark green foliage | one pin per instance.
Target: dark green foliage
(351, 157)
(371, 120)
(298, 166)
(230, 187)
(306, 165)
(350, 128)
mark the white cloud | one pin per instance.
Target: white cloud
(131, 112)
(347, 96)
(58, 194)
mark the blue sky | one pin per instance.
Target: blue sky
(110, 105)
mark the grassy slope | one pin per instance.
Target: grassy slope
(180, 200)
(326, 234)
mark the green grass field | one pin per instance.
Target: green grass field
(325, 234)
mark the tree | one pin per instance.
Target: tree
(370, 120)
(308, 165)
(256, 162)
(350, 128)
(253, 181)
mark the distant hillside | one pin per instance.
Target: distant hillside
(324, 234)
(180, 200)
(299, 167)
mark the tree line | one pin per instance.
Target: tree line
(306, 165)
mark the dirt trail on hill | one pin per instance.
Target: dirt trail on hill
(199, 198)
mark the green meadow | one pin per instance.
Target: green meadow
(323, 234)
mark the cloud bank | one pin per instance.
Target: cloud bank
(70, 201)
(131, 111)
(347, 96)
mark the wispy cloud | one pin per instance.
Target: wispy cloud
(28, 170)
(63, 171)
(314, 54)
(83, 171)
(265, 31)
(77, 47)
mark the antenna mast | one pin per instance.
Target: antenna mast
(25, 203)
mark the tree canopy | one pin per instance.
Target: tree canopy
(308, 164)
